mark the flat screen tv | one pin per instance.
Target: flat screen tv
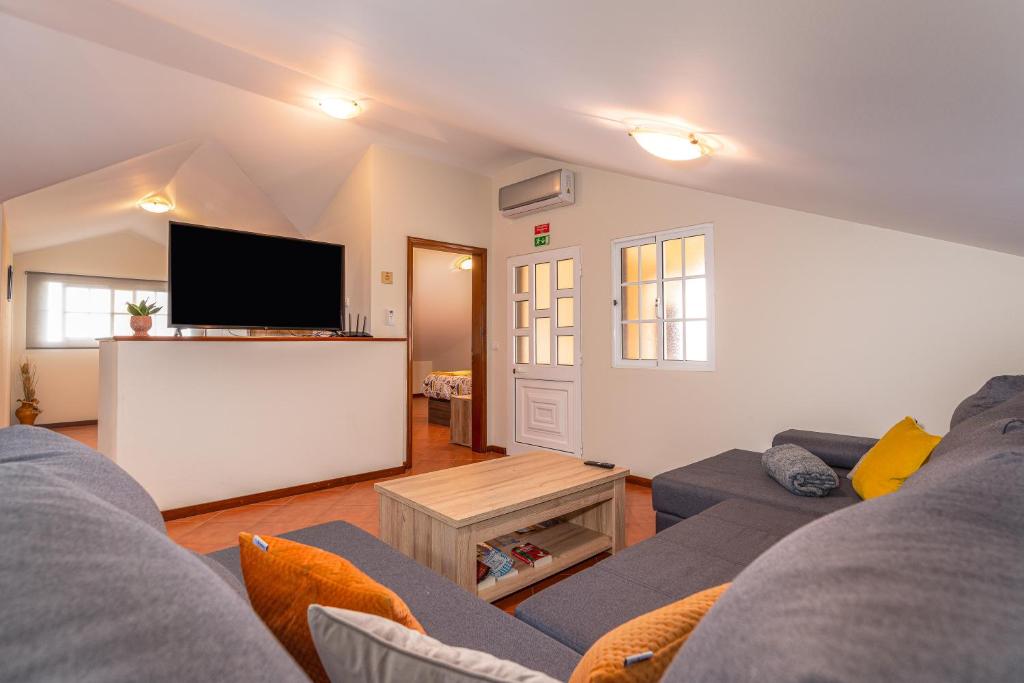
(227, 278)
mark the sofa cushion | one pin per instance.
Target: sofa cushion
(697, 553)
(446, 611)
(836, 450)
(688, 490)
(80, 465)
(974, 430)
(91, 593)
(356, 647)
(973, 440)
(641, 649)
(283, 578)
(895, 458)
(940, 566)
(992, 393)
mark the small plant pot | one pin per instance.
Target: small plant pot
(27, 412)
(140, 325)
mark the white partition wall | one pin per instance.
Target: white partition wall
(196, 422)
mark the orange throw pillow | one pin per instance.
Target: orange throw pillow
(660, 633)
(284, 578)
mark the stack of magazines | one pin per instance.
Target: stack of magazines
(500, 558)
(493, 565)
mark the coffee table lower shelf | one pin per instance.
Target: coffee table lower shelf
(568, 544)
(439, 518)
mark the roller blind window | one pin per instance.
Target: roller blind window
(73, 311)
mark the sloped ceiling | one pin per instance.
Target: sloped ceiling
(903, 115)
(97, 203)
(203, 181)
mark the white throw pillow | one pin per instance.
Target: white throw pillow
(355, 647)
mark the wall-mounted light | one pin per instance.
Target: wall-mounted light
(465, 263)
(155, 203)
(340, 108)
(669, 142)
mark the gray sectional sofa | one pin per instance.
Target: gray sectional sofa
(925, 584)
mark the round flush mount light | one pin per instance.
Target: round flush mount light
(674, 144)
(465, 263)
(340, 108)
(156, 204)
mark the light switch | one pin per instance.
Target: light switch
(389, 317)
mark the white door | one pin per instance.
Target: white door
(546, 352)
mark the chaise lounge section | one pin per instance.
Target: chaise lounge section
(687, 491)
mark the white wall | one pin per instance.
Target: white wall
(68, 378)
(442, 311)
(389, 196)
(821, 323)
(419, 198)
(347, 221)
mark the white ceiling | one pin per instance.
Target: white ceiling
(898, 114)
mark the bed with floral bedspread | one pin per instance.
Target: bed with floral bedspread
(444, 385)
(439, 387)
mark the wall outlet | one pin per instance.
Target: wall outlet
(387, 277)
(389, 317)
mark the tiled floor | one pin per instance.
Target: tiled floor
(357, 503)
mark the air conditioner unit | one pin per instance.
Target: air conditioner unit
(545, 191)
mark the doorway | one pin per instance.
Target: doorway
(546, 352)
(443, 388)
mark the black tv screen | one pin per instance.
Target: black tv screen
(227, 278)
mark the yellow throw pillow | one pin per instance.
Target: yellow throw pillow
(648, 642)
(284, 578)
(896, 456)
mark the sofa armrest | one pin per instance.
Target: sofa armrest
(837, 450)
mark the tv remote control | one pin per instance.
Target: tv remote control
(595, 463)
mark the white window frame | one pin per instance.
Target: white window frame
(657, 238)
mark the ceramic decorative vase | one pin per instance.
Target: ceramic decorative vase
(140, 325)
(28, 411)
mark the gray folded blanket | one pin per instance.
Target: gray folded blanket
(799, 471)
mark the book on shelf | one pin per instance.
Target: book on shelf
(532, 555)
(499, 563)
(507, 575)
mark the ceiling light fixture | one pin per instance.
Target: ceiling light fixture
(674, 144)
(465, 263)
(156, 204)
(340, 108)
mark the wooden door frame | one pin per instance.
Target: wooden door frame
(478, 331)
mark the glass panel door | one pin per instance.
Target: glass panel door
(544, 332)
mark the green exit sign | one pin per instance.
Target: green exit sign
(541, 240)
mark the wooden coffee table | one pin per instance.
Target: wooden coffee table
(438, 518)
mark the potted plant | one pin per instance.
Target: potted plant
(28, 411)
(142, 317)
